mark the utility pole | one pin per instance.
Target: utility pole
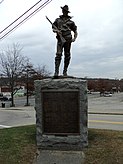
(27, 88)
(29, 72)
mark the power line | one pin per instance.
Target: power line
(6, 31)
(20, 16)
(24, 19)
(1, 1)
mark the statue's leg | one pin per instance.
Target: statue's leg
(67, 57)
(58, 59)
(57, 64)
(66, 64)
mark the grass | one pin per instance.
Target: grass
(18, 146)
(105, 147)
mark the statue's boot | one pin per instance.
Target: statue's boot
(65, 72)
(66, 64)
(57, 64)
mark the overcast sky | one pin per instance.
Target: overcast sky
(98, 50)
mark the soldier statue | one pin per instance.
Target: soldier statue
(63, 26)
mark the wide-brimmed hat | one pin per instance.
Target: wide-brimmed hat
(65, 8)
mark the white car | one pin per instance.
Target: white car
(107, 94)
(5, 97)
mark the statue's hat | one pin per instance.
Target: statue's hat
(65, 8)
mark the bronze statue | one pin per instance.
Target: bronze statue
(63, 26)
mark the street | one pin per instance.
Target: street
(17, 117)
(104, 112)
(20, 101)
(99, 121)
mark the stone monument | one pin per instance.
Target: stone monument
(61, 113)
(61, 104)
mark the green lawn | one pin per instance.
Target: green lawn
(105, 147)
(18, 146)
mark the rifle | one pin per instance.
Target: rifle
(61, 37)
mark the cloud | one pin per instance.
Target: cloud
(98, 49)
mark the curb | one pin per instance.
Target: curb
(17, 108)
(105, 113)
(32, 107)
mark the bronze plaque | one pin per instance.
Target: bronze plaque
(60, 112)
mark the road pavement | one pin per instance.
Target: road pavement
(104, 113)
(11, 117)
(111, 105)
(105, 121)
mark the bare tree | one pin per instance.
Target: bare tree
(31, 74)
(12, 63)
(42, 71)
(28, 76)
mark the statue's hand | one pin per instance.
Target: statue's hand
(73, 40)
(75, 36)
(57, 31)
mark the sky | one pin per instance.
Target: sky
(98, 49)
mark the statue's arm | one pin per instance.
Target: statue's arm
(75, 36)
(74, 29)
(55, 27)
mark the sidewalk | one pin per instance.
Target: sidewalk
(91, 110)
(18, 108)
(60, 157)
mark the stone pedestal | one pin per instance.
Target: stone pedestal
(60, 157)
(61, 113)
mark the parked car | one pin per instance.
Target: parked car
(5, 97)
(1, 96)
(88, 91)
(107, 94)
